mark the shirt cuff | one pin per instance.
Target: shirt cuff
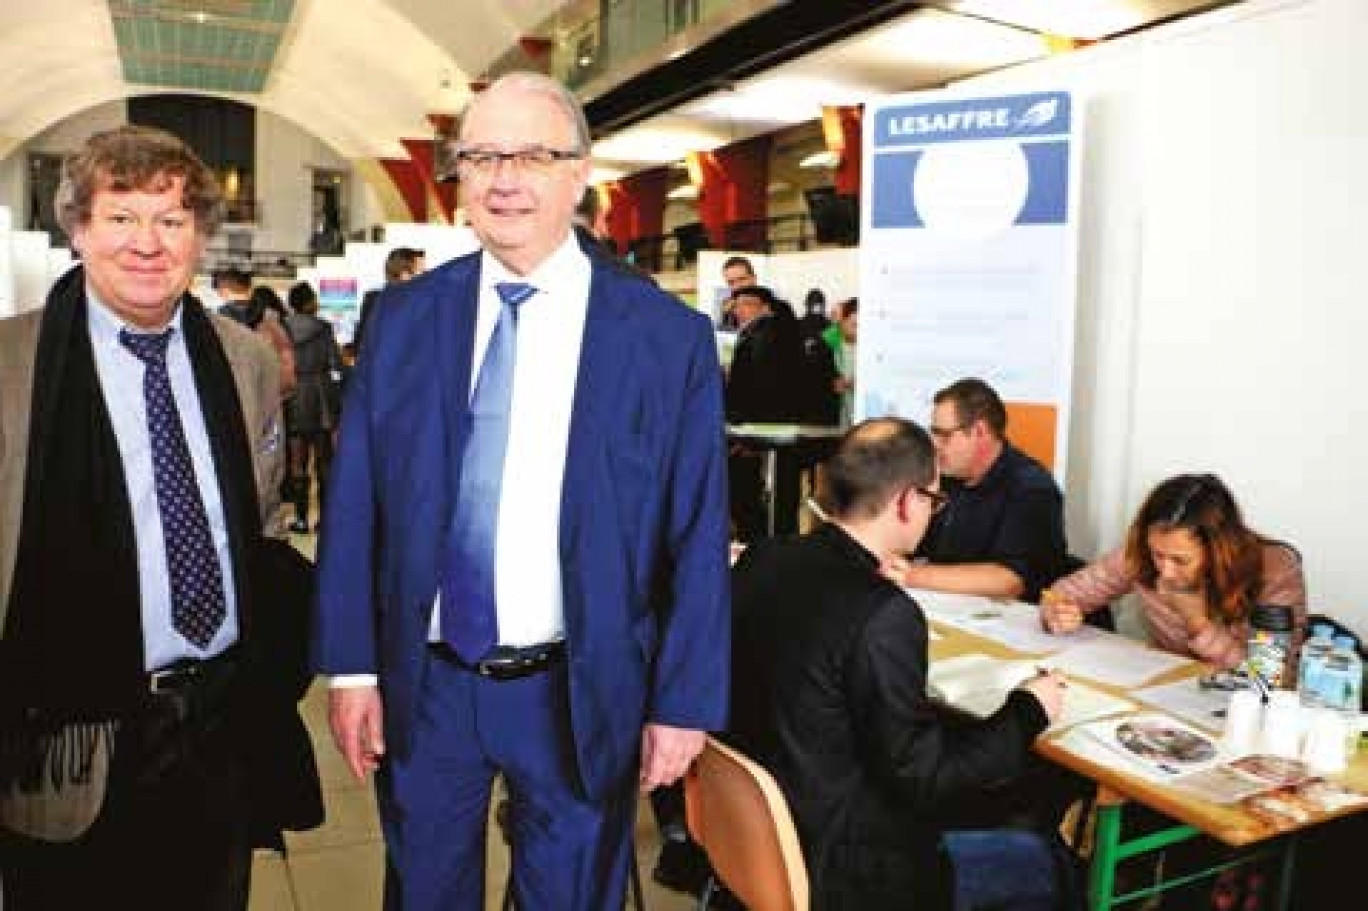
(352, 681)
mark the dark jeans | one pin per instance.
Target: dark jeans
(1003, 870)
(320, 445)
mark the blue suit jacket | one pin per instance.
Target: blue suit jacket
(643, 520)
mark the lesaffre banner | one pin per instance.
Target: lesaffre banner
(968, 256)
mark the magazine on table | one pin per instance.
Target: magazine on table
(1193, 761)
(1296, 804)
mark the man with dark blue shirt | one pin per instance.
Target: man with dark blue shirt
(1002, 532)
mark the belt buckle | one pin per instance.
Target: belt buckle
(163, 681)
(172, 679)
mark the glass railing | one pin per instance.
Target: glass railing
(589, 46)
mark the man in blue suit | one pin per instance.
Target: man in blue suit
(523, 563)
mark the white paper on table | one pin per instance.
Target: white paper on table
(979, 685)
(1189, 701)
(1017, 626)
(1012, 624)
(949, 608)
(1117, 661)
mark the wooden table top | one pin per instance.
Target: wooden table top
(1231, 824)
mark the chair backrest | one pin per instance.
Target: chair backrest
(738, 814)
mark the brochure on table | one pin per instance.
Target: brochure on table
(1194, 762)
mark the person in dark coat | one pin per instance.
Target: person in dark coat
(312, 412)
(764, 385)
(148, 733)
(829, 664)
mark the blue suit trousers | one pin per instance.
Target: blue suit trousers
(567, 853)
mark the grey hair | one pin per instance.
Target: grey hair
(539, 84)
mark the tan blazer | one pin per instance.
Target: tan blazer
(61, 815)
(256, 372)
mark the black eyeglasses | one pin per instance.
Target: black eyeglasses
(533, 159)
(936, 498)
(945, 433)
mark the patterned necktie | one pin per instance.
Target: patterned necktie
(198, 607)
(469, 621)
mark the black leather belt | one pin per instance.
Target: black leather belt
(508, 662)
(190, 673)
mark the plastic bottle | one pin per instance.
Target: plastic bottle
(1270, 644)
(1343, 677)
(1312, 664)
(1342, 686)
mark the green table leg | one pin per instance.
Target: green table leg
(1289, 863)
(1106, 853)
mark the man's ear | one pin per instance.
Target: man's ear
(902, 503)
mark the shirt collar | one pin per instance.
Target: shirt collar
(997, 472)
(105, 325)
(566, 263)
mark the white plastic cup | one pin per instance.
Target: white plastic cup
(1325, 749)
(1282, 725)
(1244, 718)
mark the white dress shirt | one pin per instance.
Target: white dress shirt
(527, 570)
(121, 380)
(527, 574)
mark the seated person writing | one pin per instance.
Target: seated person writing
(1001, 534)
(1196, 568)
(829, 664)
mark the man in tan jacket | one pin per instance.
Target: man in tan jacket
(140, 449)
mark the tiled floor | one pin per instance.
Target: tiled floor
(338, 866)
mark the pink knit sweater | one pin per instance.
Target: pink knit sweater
(1106, 579)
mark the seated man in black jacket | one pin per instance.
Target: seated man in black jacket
(828, 692)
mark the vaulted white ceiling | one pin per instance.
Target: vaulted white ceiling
(359, 74)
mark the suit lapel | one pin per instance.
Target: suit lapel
(457, 303)
(604, 352)
(223, 423)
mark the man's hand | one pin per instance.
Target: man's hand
(666, 754)
(357, 722)
(1048, 687)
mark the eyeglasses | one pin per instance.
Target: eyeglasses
(531, 160)
(945, 433)
(936, 498)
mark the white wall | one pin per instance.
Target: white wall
(1225, 185)
(285, 156)
(58, 139)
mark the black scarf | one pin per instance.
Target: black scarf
(72, 647)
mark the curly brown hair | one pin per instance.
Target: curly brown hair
(1204, 506)
(136, 158)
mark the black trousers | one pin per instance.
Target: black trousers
(172, 834)
(745, 472)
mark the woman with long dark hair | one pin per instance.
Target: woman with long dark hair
(1196, 569)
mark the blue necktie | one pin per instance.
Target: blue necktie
(198, 607)
(469, 621)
